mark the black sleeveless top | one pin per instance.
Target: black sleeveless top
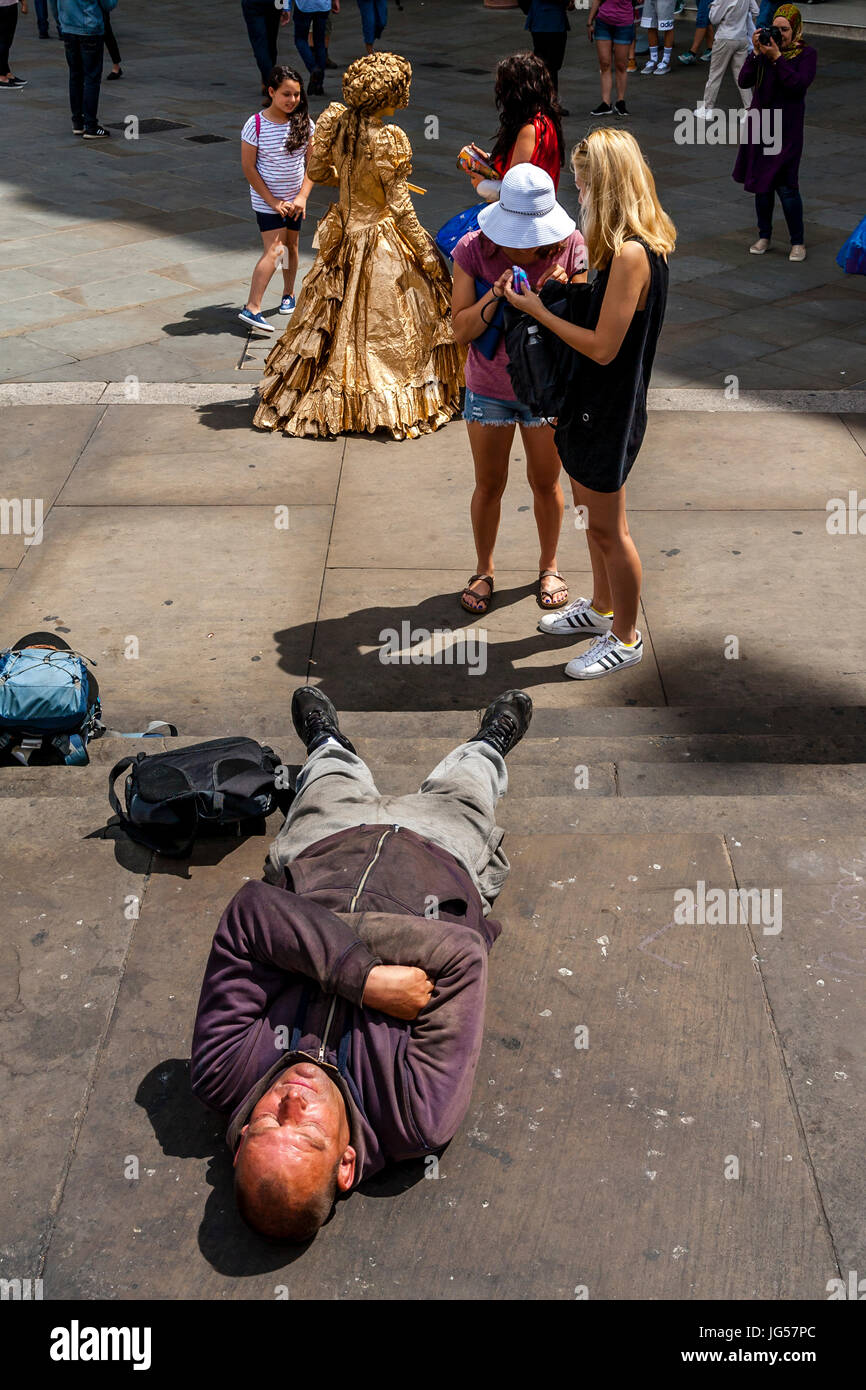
(603, 422)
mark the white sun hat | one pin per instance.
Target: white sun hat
(527, 214)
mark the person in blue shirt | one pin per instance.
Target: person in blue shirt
(548, 24)
(313, 13)
(83, 25)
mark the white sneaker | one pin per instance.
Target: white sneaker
(650, 66)
(579, 619)
(663, 67)
(606, 655)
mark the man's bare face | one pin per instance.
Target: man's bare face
(300, 1131)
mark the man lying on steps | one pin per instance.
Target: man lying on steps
(342, 1008)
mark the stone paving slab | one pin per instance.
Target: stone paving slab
(813, 971)
(133, 459)
(695, 601)
(634, 1124)
(173, 577)
(40, 450)
(65, 938)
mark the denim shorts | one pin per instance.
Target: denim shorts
(270, 221)
(486, 410)
(703, 15)
(613, 33)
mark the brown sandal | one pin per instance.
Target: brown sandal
(484, 603)
(546, 600)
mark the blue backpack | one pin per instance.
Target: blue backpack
(451, 231)
(45, 698)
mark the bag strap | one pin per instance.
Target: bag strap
(112, 778)
(258, 125)
(152, 730)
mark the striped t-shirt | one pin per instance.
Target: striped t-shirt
(283, 173)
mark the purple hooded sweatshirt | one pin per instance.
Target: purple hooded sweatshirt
(286, 976)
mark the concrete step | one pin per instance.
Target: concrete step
(619, 721)
(720, 815)
(537, 748)
(624, 768)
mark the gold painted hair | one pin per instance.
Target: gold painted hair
(377, 80)
(618, 197)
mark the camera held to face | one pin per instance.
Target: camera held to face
(768, 36)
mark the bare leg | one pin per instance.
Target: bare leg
(290, 263)
(265, 266)
(543, 468)
(620, 58)
(610, 544)
(603, 47)
(490, 445)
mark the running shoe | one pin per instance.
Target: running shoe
(579, 619)
(606, 655)
(287, 304)
(258, 322)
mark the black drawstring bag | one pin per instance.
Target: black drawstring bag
(541, 366)
(171, 797)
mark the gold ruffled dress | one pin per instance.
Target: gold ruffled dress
(370, 344)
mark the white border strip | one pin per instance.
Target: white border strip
(698, 400)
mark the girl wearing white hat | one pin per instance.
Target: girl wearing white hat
(526, 228)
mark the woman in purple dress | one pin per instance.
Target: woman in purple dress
(768, 161)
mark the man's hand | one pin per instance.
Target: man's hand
(401, 991)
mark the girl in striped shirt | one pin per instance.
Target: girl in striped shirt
(275, 145)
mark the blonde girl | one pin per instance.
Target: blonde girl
(601, 426)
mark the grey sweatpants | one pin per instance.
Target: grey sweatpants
(726, 51)
(455, 808)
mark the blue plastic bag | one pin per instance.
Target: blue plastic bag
(852, 257)
(450, 233)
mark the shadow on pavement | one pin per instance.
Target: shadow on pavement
(185, 1128)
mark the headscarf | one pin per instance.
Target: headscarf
(795, 19)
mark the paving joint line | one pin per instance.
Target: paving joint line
(700, 400)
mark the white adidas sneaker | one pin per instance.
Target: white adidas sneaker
(578, 619)
(604, 656)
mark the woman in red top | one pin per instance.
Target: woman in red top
(530, 122)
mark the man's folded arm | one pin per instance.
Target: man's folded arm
(445, 1039)
(265, 934)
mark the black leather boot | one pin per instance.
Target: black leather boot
(505, 721)
(315, 719)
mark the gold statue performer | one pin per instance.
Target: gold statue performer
(370, 345)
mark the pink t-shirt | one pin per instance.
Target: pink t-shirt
(616, 11)
(489, 376)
